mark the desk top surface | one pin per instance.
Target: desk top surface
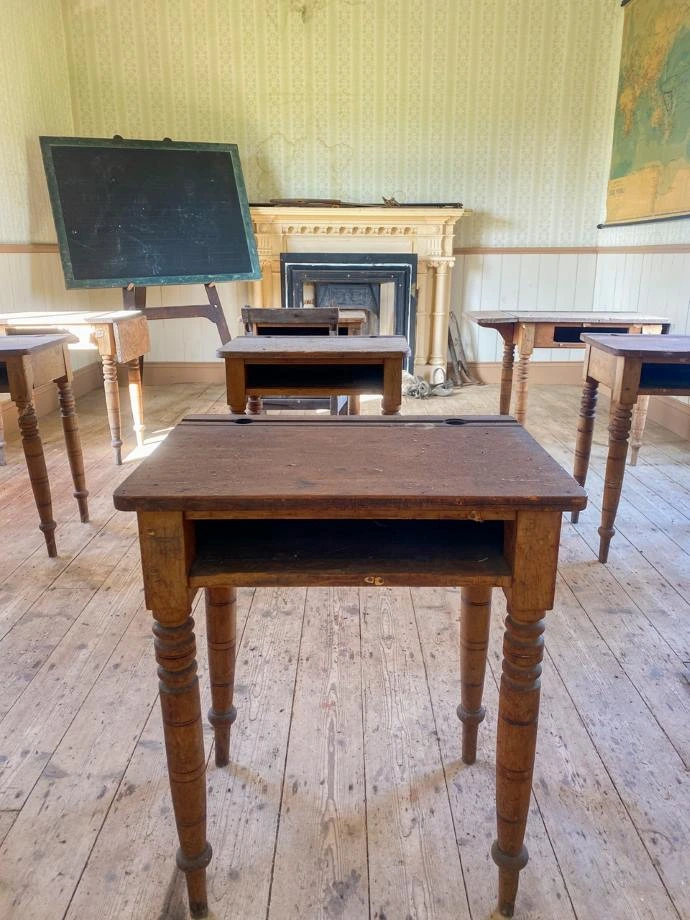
(66, 318)
(325, 346)
(348, 468)
(651, 347)
(13, 346)
(486, 317)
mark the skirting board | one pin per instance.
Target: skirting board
(85, 380)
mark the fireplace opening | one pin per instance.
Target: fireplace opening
(383, 284)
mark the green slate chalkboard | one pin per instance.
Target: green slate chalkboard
(149, 212)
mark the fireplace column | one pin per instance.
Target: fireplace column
(440, 311)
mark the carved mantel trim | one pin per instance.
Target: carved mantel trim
(426, 231)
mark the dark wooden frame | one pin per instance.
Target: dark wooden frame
(48, 144)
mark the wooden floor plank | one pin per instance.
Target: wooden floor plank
(472, 789)
(414, 864)
(321, 858)
(81, 758)
(648, 773)
(125, 881)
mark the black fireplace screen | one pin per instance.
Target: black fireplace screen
(354, 280)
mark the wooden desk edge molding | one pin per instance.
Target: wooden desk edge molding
(207, 524)
(32, 361)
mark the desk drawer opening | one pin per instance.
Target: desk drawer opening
(299, 377)
(348, 552)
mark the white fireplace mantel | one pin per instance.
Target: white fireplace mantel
(424, 230)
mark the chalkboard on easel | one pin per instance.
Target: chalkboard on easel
(143, 213)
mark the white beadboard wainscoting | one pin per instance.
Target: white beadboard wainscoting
(644, 279)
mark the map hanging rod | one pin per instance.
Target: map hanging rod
(642, 220)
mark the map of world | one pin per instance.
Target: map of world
(650, 163)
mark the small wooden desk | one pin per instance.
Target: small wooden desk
(561, 329)
(634, 367)
(27, 362)
(315, 366)
(121, 337)
(349, 501)
(274, 321)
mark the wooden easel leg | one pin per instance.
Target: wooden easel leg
(585, 429)
(184, 745)
(639, 420)
(221, 608)
(38, 473)
(475, 612)
(70, 427)
(518, 714)
(619, 430)
(136, 399)
(112, 402)
(506, 376)
(218, 317)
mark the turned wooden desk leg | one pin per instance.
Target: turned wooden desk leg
(136, 399)
(353, 405)
(506, 376)
(518, 714)
(639, 420)
(221, 610)
(3, 461)
(585, 429)
(254, 405)
(112, 403)
(619, 430)
(70, 427)
(184, 745)
(475, 614)
(38, 473)
(522, 384)
(392, 388)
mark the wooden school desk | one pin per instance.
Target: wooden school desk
(27, 362)
(315, 366)
(634, 367)
(121, 337)
(561, 329)
(349, 501)
(279, 320)
(300, 321)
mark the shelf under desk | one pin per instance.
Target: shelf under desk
(256, 553)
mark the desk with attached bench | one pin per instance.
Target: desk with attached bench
(349, 501)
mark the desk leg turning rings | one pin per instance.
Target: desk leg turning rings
(38, 473)
(70, 427)
(112, 404)
(221, 609)
(184, 744)
(585, 429)
(516, 740)
(475, 612)
(619, 430)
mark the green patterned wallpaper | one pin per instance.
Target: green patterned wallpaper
(34, 99)
(505, 105)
